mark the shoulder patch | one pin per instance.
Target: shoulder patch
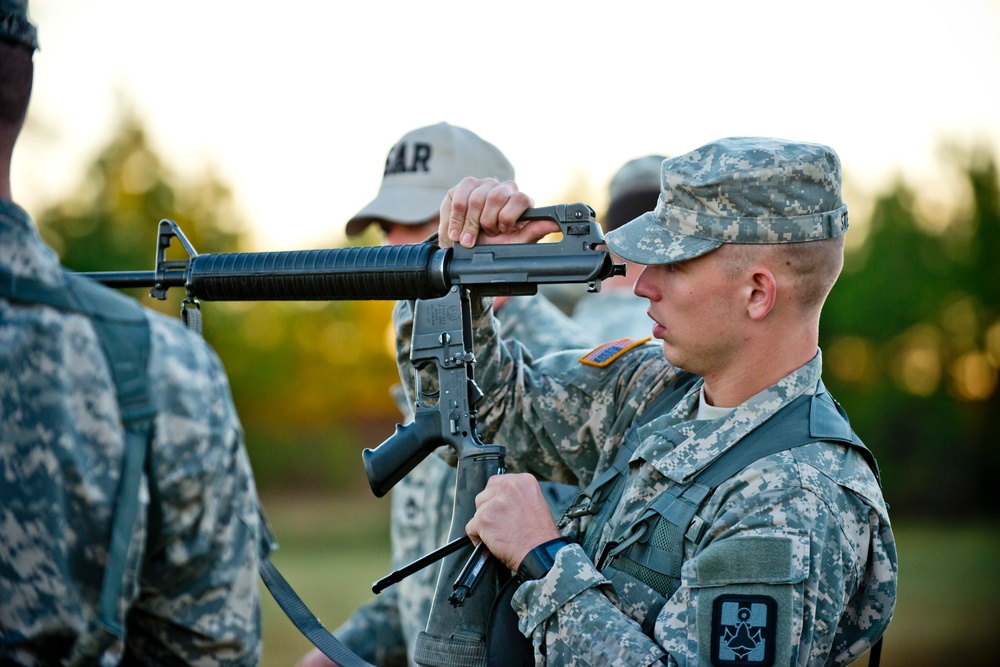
(602, 355)
(743, 629)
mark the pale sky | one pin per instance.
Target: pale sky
(295, 103)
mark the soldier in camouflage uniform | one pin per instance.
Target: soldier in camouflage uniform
(791, 560)
(189, 591)
(419, 169)
(614, 312)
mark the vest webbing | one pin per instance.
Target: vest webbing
(650, 550)
(609, 484)
(123, 331)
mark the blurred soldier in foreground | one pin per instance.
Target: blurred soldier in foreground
(614, 312)
(130, 520)
(730, 514)
(419, 169)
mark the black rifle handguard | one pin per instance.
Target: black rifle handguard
(414, 271)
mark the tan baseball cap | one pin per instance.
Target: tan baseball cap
(420, 169)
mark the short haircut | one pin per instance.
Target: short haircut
(812, 266)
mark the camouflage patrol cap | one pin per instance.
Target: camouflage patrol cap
(14, 24)
(420, 169)
(737, 190)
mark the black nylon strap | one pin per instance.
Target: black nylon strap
(303, 619)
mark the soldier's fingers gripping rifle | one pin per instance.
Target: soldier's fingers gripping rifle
(442, 282)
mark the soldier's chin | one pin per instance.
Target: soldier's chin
(673, 355)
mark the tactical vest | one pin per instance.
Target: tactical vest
(123, 331)
(645, 558)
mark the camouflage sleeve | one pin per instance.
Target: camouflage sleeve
(198, 598)
(567, 610)
(782, 535)
(558, 418)
(541, 327)
(573, 604)
(374, 631)
(818, 547)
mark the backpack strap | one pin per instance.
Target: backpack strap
(595, 495)
(123, 331)
(651, 549)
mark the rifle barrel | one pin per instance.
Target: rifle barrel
(126, 279)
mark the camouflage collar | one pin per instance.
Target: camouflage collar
(22, 250)
(679, 447)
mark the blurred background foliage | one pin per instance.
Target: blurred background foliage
(309, 379)
(911, 340)
(911, 333)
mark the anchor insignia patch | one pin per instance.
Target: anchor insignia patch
(743, 630)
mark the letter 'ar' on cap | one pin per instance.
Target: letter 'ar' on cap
(420, 169)
(737, 190)
(14, 24)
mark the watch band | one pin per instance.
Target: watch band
(540, 560)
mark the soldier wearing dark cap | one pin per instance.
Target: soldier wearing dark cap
(614, 312)
(730, 514)
(129, 517)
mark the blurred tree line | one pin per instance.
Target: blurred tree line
(911, 340)
(309, 379)
(911, 333)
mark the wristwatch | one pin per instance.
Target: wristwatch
(540, 560)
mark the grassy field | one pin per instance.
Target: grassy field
(947, 611)
(330, 552)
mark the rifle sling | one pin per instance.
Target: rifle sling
(304, 620)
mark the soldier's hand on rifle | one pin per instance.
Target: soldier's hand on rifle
(486, 211)
(512, 517)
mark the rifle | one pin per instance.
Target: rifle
(442, 283)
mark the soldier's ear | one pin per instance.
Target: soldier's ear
(762, 293)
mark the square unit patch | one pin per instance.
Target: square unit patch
(743, 630)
